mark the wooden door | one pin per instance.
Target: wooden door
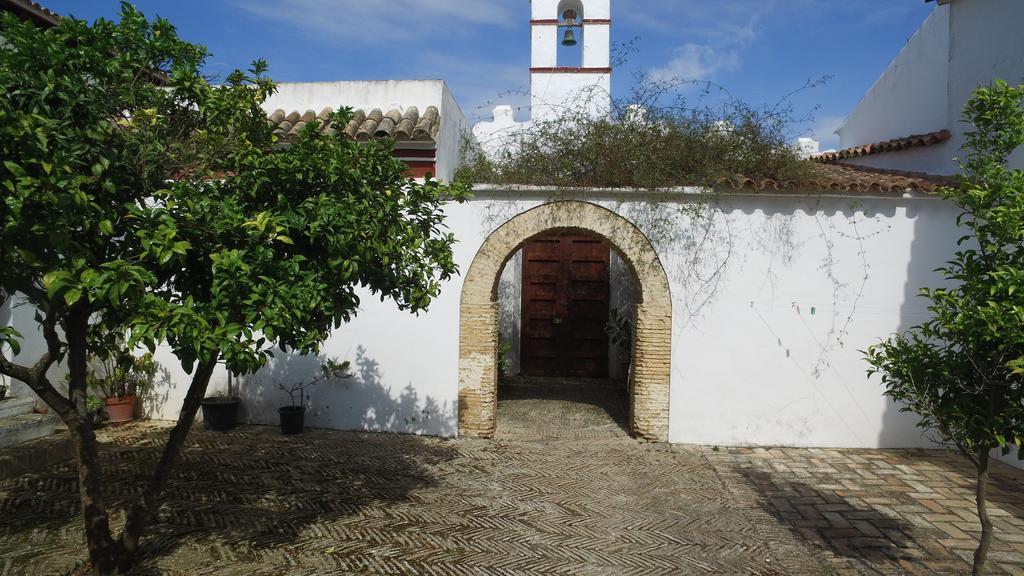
(565, 307)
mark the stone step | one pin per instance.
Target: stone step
(25, 427)
(16, 406)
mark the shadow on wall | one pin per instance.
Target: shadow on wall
(935, 236)
(362, 402)
(510, 311)
(152, 401)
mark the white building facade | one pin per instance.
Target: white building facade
(911, 119)
(565, 80)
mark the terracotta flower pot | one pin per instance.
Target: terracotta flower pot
(121, 410)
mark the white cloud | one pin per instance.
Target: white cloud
(376, 22)
(697, 62)
(715, 33)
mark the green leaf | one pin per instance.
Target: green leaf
(73, 295)
(284, 239)
(106, 227)
(15, 169)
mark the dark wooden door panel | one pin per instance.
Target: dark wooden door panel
(565, 307)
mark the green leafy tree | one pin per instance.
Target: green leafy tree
(139, 198)
(962, 370)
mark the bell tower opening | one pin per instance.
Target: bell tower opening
(570, 35)
(571, 62)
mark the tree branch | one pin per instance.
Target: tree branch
(142, 512)
(35, 378)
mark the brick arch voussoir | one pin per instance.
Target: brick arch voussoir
(478, 324)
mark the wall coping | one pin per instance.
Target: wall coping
(534, 192)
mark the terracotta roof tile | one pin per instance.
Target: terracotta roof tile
(914, 141)
(375, 125)
(27, 9)
(845, 179)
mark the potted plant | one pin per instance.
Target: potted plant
(220, 413)
(293, 417)
(620, 331)
(96, 412)
(121, 377)
(3, 388)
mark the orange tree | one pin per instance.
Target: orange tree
(962, 370)
(136, 197)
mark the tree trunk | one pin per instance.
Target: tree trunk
(103, 551)
(981, 492)
(143, 512)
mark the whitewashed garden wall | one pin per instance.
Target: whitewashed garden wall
(773, 296)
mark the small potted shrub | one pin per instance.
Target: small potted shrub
(121, 377)
(96, 410)
(220, 413)
(293, 417)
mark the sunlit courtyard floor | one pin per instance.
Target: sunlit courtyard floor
(561, 490)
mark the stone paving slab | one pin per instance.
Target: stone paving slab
(254, 502)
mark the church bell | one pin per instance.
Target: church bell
(570, 38)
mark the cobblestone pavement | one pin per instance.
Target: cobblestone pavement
(551, 502)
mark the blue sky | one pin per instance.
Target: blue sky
(760, 50)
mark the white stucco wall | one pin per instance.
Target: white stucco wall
(961, 46)
(557, 95)
(986, 42)
(766, 353)
(510, 311)
(369, 94)
(500, 133)
(454, 130)
(911, 95)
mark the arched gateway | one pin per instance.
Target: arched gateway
(478, 323)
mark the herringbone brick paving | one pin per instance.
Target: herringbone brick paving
(254, 502)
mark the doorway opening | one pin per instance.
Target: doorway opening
(565, 304)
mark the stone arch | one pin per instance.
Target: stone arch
(478, 322)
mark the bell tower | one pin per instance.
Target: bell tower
(561, 81)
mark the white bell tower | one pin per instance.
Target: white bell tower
(570, 70)
(559, 28)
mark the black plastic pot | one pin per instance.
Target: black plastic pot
(293, 419)
(220, 413)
